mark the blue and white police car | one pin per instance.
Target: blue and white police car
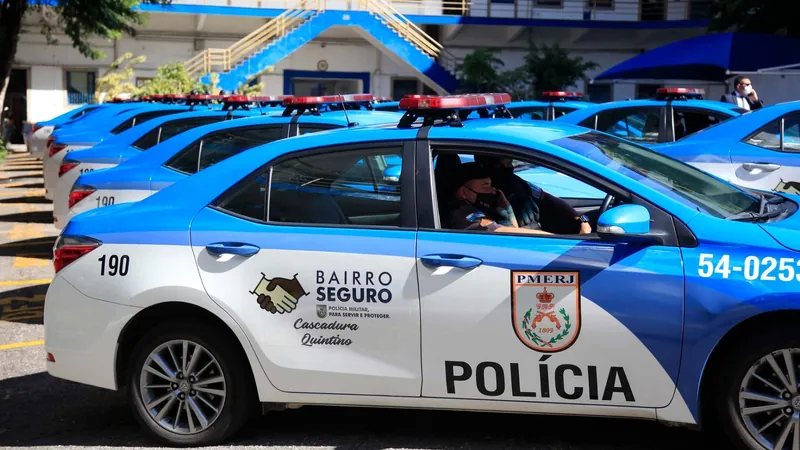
(271, 277)
(136, 140)
(760, 149)
(194, 150)
(91, 132)
(673, 115)
(37, 143)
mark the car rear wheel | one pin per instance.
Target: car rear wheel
(188, 384)
(757, 396)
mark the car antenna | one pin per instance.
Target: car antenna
(344, 108)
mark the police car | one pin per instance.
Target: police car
(673, 115)
(141, 138)
(760, 149)
(42, 130)
(267, 278)
(196, 149)
(91, 132)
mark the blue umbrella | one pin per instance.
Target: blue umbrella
(712, 57)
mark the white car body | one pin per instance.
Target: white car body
(64, 186)
(38, 142)
(51, 165)
(101, 198)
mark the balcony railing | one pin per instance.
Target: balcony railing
(629, 10)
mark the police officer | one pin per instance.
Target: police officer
(533, 207)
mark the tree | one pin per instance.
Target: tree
(479, 71)
(80, 20)
(760, 16)
(116, 80)
(551, 68)
(171, 79)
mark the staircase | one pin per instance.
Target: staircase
(376, 20)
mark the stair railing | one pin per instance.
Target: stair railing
(226, 59)
(409, 31)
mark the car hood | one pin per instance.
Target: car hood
(786, 231)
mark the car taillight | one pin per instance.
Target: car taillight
(69, 248)
(50, 141)
(78, 193)
(66, 167)
(55, 148)
(37, 127)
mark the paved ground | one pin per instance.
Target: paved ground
(37, 410)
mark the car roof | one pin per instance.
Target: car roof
(535, 103)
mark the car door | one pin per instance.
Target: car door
(320, 274)
(560, 319)
(769, 158)
(687, 120)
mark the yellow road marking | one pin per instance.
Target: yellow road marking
(22, 231)
(21, 344)
(22, 261)
(23, 282)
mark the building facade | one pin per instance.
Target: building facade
(384, 47)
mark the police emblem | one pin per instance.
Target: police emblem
(546, 309)
(322, 311)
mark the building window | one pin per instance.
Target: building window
(552, 3)
(80, 86)
(604, 4)
(509, 2)
(404, 86)
(653, 10)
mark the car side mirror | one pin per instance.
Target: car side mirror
(626, 223)
(392, 174)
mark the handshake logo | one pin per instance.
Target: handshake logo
(279, 295)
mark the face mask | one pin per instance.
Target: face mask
(748, 90)
(488, 201)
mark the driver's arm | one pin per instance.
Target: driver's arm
(562, 212)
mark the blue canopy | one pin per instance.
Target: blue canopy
(711, 57)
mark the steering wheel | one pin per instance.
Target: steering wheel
(606, 203)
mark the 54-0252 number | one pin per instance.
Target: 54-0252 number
(765, 268)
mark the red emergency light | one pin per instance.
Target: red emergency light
(562, 95)
(316, 100)
(453, 101)
(677, 93)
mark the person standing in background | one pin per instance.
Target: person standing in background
(743, 95)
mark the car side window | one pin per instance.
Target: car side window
(522, 188)
(530, 112)
(142, 118)
(563, 110)
(690, 121)
(356, 187)
(169, 129)
(634, 124)
(769, 137)
(313, 128)
(221, 145)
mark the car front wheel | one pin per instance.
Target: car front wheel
(758, 398)
(188, 386)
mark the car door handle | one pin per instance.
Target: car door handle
(460, 261)
(234, 248)
(767, 167)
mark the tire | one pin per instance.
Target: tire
(235, 407)
(753, 352)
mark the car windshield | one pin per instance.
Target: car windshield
(680, 181)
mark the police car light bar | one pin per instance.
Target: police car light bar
(452, 109)
(318, 100)
(677, 93)
(446, 102)
(562, 95)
